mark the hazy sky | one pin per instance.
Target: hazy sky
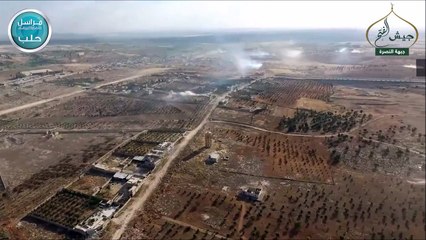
(94, 17)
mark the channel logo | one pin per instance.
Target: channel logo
(29, 30)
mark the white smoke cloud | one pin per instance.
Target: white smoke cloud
(243, 60)
(247, 64)
(184, 94)
(187, 93)
(292, 53)
(342, 50)
(259, 54)
(410, 66)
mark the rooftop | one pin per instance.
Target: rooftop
(214, 155)
(120, 175)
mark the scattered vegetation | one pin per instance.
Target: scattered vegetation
(134, 148)
(67, 208)
(305, 120)
(159, 136)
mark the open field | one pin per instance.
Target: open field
(40, 181)
(273, 155)
(23, 155)
(203, 198)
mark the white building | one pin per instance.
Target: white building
(212, 158)
(97, 221)
(37, 72)
(139, 158)
(122, 176)
(251, 194)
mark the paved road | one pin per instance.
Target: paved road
(34, 104)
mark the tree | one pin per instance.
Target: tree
(399, 153)
(296, 229)
(385, 152)
(3, 235)
(335, 159)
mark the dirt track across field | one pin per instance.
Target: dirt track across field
(144, 72)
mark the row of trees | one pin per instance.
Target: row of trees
(305, 120)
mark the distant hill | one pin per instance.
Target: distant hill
(326, 35)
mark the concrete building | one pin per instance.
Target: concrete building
(52, 134)
(157, 152)
(251, 194)
(147, 164)
(38, 72)
(208, 139)
(212, 158)
(165, 146)
(223, 102)
(128, 190)
(138, 158)
(95, 223)
(121, 176)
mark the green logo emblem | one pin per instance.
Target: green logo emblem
(392, 35)
(29, 30)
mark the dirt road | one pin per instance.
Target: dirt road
(316, 136)
(270, 131)
(402, 148)
(34, 104)
(294, 134)
(184, 224)
(127, 215)
(144, 72)
(154, 180)
(72, 131)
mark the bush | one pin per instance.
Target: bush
(4, 235)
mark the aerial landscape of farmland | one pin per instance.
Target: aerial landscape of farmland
(249, 134)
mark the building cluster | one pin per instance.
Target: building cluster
(122, 184)
(96, 223)
(52, 134)
(130, 184)
(151, 159)
(93, 225)
(38, 72)
(251, 194)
